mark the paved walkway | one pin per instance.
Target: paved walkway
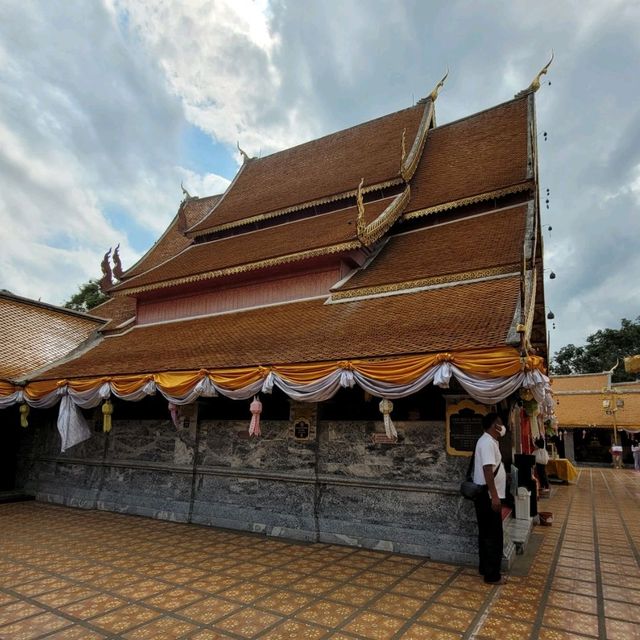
(67, 573)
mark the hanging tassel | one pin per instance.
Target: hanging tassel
(386, 407)
(24, 412)
(173, 410)
(256, 409)
(107, 411)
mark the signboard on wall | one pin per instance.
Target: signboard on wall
(464, 426)
(302, 425)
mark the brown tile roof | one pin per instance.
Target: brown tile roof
(173, 241)
(33, 334)
(117, 310)
(466, 316)
(302, 235)
(482, 153)
(466, 245)
(318, 169)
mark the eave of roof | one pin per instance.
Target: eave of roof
(467, 316)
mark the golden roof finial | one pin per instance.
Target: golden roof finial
(361, 225)
(245, 156)
(434, 94)
(535, 84)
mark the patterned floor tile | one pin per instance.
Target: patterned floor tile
(555, 634)
(248, 623)
(619, 630)
(415, 588)
(91, 607)
(397, 605)
(174, 598)
(294, 630)
(68, 595)
(374, 626)
(246, 593)
(36, 587)
(374, 580)
(583, 623)
(213, 583)
(514, 608)
(328, 614)
(125, 618)
(621, 594)
(33, 627)
(284, 602)
(207, 634)
(463, 598)
(76, 632)
(452, 618)
(421, 632)
(574, 602)
(163, 629)
(17, 611)
(352, 594)
(504, 628)
(314, 586)
(208, 610)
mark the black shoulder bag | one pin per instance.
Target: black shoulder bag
(469, 489)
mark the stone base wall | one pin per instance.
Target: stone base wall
(339, 487)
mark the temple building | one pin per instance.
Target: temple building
(309, 354)
(593, 413)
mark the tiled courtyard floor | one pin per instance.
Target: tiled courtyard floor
(72, 574)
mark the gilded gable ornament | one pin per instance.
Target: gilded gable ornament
(535, 84)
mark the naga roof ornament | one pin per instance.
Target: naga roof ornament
(243, 153)
(535, 84)
(434, 94)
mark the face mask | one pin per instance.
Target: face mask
(502, 430)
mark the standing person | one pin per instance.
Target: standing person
(635, 449)
(542, 459)
(489, 472)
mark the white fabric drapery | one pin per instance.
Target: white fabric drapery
(73, 428)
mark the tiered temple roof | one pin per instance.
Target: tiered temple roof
(345, 217)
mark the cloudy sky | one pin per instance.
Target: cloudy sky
(107, 105)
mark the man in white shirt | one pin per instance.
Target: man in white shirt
(489, 472)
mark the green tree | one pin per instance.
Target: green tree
(600, 353)
(88, 296)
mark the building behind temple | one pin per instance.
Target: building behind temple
(362, 298)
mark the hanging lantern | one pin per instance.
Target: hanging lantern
(256, 409)
(107, 411)
(386, 407)
(173, 410)
(24, 412)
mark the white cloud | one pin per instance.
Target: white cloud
(94, 99)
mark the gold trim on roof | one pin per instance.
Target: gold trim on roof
(251, 266)
(361, 223)
(454, 204)
(297, 207)
(425, 282)
(378, 227)
(410, 162)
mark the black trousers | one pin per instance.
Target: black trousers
(489, 538)
(541, 471)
